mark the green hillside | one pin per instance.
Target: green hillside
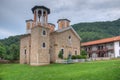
(9, 48)
(97, 30)
(87, 31)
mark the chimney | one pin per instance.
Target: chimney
(29, 25)
(51, 27)
(63, 23)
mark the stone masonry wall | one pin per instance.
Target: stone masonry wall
(25, 42)
(61, 41)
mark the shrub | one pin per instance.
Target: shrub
(83, 53)
(60, 55)
(83, 57)
(73, 57)
(78, 57)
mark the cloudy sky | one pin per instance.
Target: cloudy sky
(13, 13)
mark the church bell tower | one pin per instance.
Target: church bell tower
(41, 15)
(40, 35)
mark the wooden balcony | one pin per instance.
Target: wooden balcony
(101, 50)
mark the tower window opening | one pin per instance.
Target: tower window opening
(44, 13)
(39, 14)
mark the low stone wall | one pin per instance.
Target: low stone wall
(72, 61)
(4, 61)
(9, 61)
(101, 58)
(83, 60)
(61, 61)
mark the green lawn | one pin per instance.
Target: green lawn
(98, 70)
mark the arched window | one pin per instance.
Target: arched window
(62, 50)
(43, 45)
(25, 56)
(39, 13)
(69, 40)
(75, 52)
(69, 37)
(25, 51)
(44, 32)
(44, 13)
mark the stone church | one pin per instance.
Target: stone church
(42, 43)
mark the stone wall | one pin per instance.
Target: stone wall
(61, 41)
(25, 42)
(39, 55)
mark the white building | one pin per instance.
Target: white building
(108, 47)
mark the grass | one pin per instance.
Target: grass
(98, 70)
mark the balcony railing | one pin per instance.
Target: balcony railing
(100, 50)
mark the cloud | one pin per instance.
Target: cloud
(5, 33)
(14, 13)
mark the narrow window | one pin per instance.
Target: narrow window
(25, 52)
(25, 61)
(69, 40)
(62, 50)
(44, 13)
(44, 32)
(43, 45)
(39, 14)
(75, 52)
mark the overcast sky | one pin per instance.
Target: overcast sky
(13, 13)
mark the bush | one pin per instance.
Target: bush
(83, 53)
(79, 57)
(73, 57)
(60, 55)
(83, 57)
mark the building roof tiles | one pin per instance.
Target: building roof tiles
(101, 41)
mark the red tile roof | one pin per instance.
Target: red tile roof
(101, 41)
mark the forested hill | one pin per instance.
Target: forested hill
(9, 47)
(97, 30)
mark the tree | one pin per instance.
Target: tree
(2, 51)
(83, 53)
(14, 52)
(11, 45)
